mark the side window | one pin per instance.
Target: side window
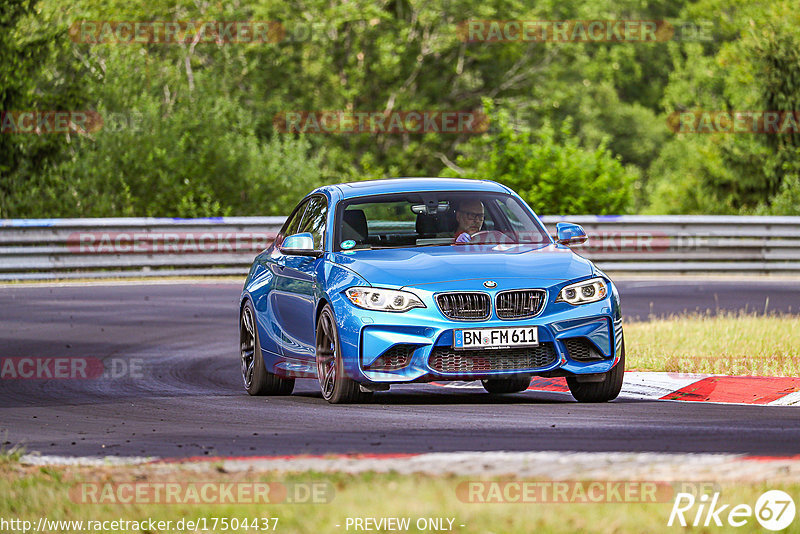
(291, 226)
(314, 220)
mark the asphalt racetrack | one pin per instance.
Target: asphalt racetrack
(181, 394)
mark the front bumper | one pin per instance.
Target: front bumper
(424, 337)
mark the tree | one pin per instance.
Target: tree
(37, 72)
(549, 169)
(756, 67)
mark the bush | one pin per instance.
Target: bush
(549, 169)
(203, 159)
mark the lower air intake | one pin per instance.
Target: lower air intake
(449, 360)
(394, 358)
(581, 349)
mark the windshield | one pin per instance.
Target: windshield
(435, 219)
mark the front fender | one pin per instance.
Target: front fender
(336, 280)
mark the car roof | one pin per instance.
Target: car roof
(413, 185)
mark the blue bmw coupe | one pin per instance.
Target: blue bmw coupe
(386, 282)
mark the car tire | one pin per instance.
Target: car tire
(257, 380)
(507, 385)
(336, 388)
(604, 391)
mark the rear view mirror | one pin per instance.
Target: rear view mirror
(570, 234)
(431, 208)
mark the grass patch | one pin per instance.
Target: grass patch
(727, 343)
(30, 493)
(9, 453)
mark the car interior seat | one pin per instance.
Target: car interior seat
(448, 222)
(437, 225)
(354, 226)
(427, 225)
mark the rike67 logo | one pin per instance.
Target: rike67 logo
(774, 510)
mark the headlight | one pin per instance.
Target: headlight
(371, 298)
(584, 292)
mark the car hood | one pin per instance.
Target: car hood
(431, 266)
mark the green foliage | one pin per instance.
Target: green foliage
(776, 58)
(194, 133)
(9, 454)
(687, 170)
(787, 199)
(757, 67)
(198, 161)
(37, 72)
(549, 169)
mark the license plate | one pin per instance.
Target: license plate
(495, 338)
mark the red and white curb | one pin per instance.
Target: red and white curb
(758, 390)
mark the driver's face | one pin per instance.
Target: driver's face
(470, 217)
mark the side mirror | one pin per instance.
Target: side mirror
(570, 234)
(300, 245)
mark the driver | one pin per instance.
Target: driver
(470, 219)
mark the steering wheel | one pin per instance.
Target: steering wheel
(490, 236)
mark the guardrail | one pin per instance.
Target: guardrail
(93, 248)
(690, 243)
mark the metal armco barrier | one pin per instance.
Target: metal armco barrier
(90, 248)
(690, 243)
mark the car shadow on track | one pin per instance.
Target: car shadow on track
(422, 395)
